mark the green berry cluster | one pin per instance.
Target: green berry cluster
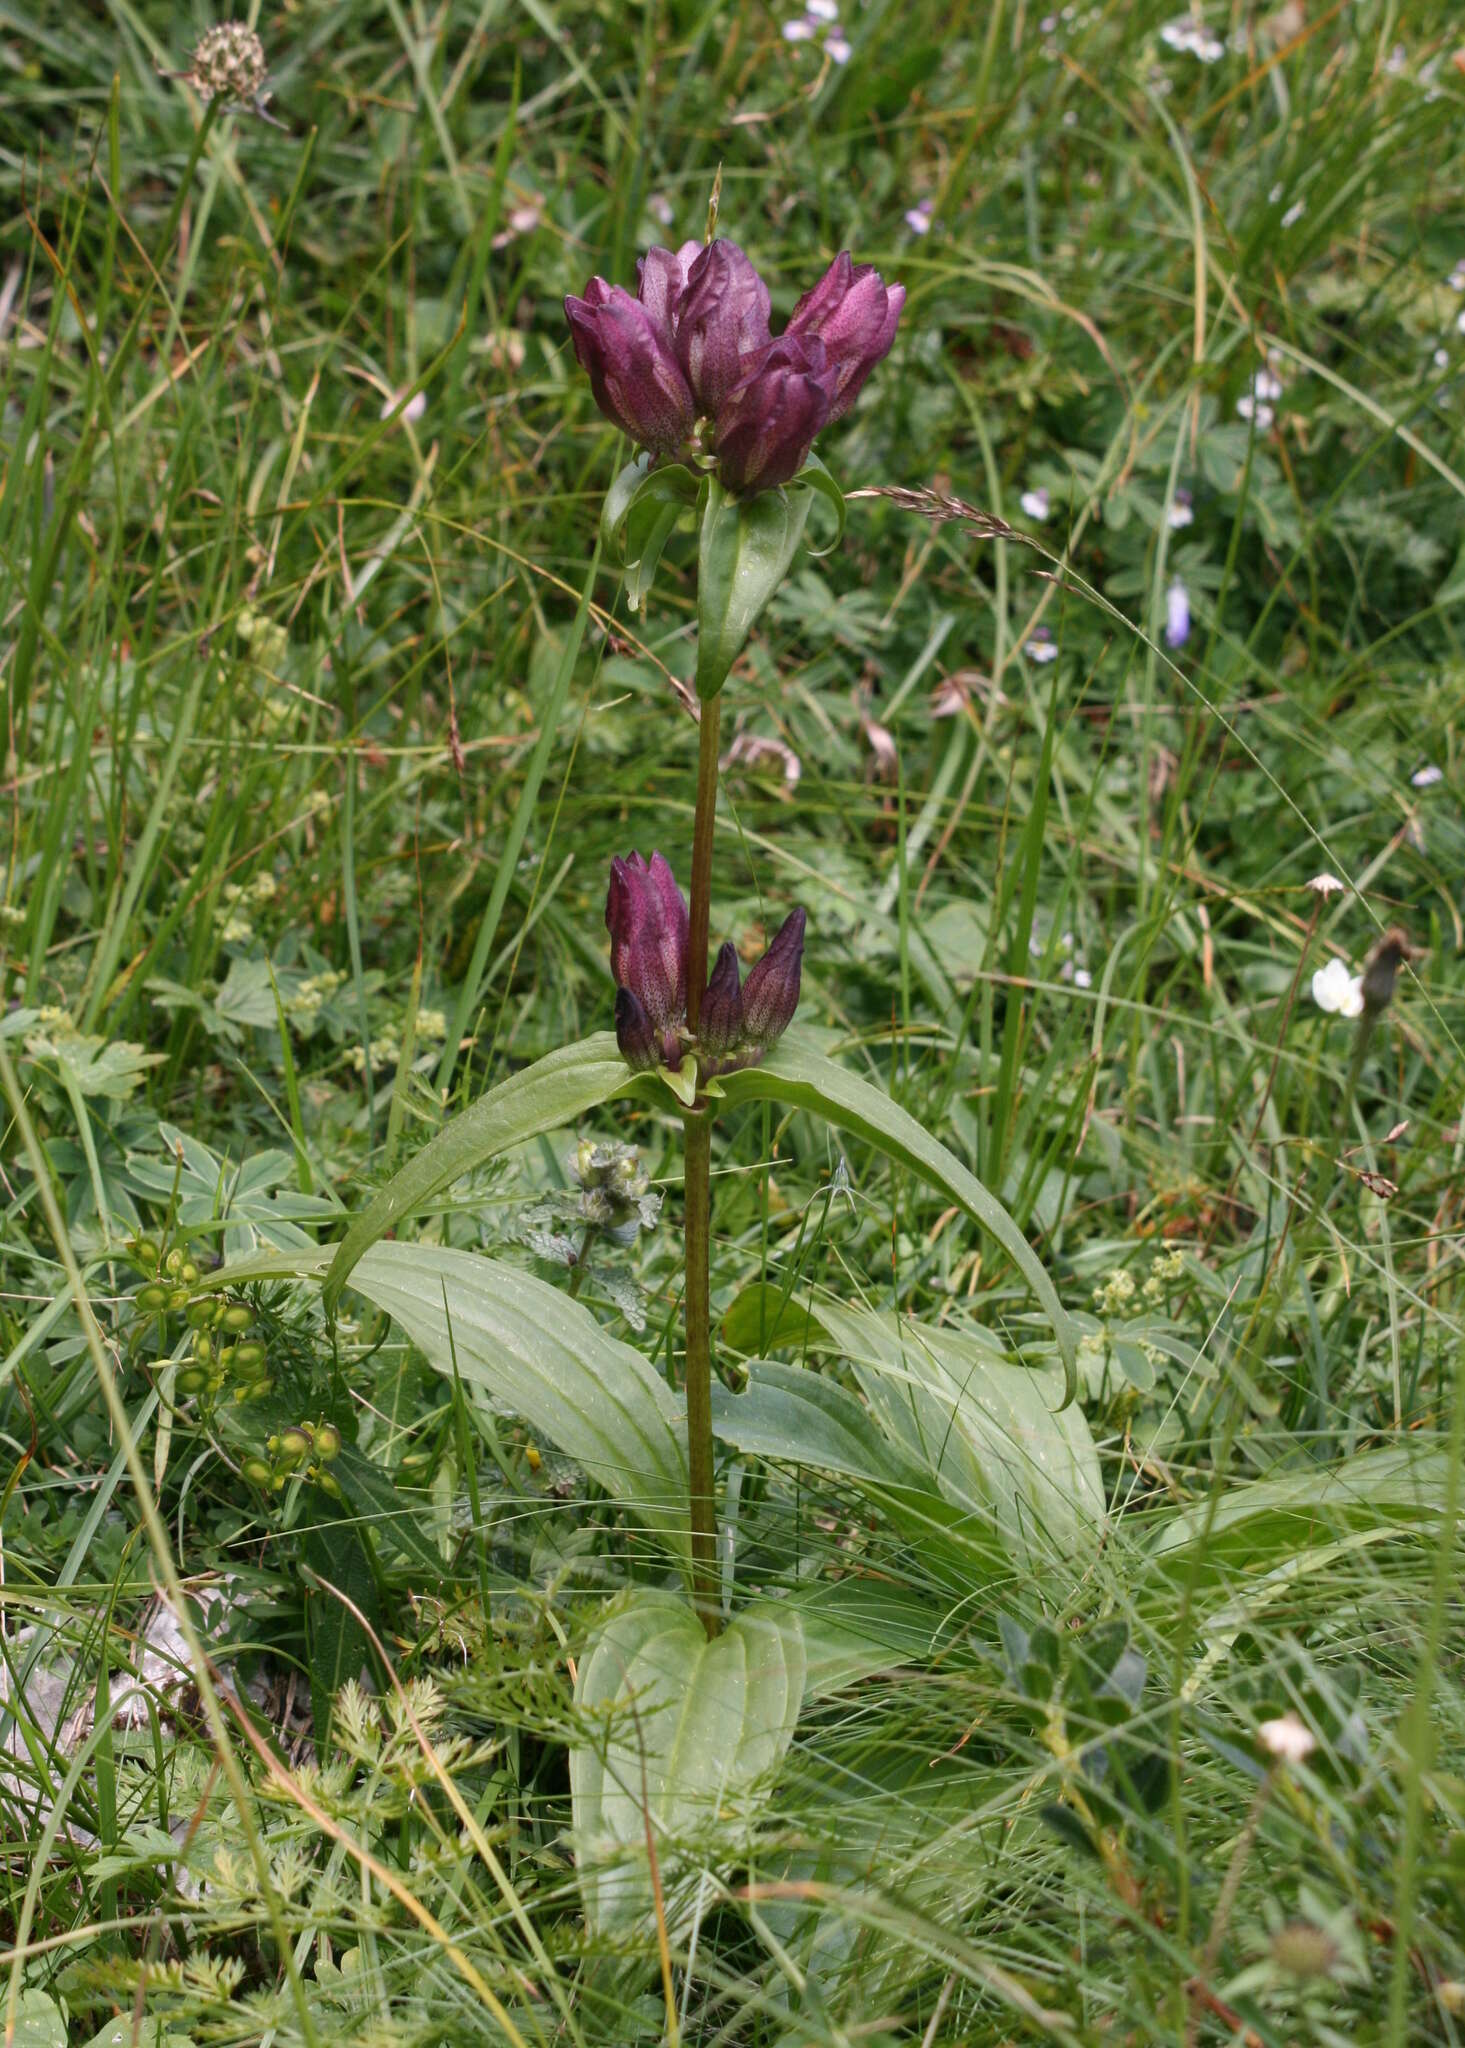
(224, 1354)
(303, 1452)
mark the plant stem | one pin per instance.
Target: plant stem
(698, 1201)
(698, 1186)
(701, 894)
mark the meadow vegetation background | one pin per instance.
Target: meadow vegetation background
(305, 828)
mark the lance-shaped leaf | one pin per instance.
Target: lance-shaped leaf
(554, 1091)
(680, 1737)
(533, 1352)
(797, 1074)
(746, 547)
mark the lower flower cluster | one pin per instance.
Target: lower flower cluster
(646, 916)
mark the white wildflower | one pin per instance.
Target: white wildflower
(1035, 503)
(1326, 885)
(1041, 646)
(800, 30)
(837, 50)
(1337, 991)
(1180, 511)
(1288, 1738)
(918, 220)
(1427, 776)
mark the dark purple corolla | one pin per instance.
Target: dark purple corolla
(766, 428)
(855, 314)
(634, 374)
(695, 344)
(646, 916)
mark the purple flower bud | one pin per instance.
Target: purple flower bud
(771, 991)
(720, 1027)
(646, 916)
(854, 313)
(721, 322)
(634, 372)
(768, 422)
(634, 1033)
(662, 278)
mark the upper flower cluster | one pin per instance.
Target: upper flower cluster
(695, 343)
(646, 916)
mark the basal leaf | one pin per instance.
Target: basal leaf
(680, 1732)
(533, 1352)
(795, 1073)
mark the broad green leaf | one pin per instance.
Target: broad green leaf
(989, 1431)
(554, 1091)
(797, 1417)
(746, 547)
(533, 1352)
(38, 2022)
(682, 1733)
(1254, 1526)
(964, 1450)
(795, 1073)
(762, 1315)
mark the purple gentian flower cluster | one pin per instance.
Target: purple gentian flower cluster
(646, 916)
(695, 344)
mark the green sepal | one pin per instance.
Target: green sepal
(682, 1083)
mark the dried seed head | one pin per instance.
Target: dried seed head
(1381, 969)
(1302, 1950)
(229, 64)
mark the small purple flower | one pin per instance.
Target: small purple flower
(634, 1033)
(646, 916)
(771, 991)
(1040, 645)
(1177, 613)
(838, 49)
(768, 422)
(918, 219)
(634, 374)
(721, 322)
(720, 1026)
(854, 313)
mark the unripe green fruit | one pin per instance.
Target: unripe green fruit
(173, 1261)
(329, 1483)
(294, 1445)
(237, 1317)
(151, 1299)
(179, 1298)
(257, 1470)
(145, 1252)
(327, 1441)
(200, 1314)
(192, 1380)
(188, 1271)
(203, 1349)
(248, 1356)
